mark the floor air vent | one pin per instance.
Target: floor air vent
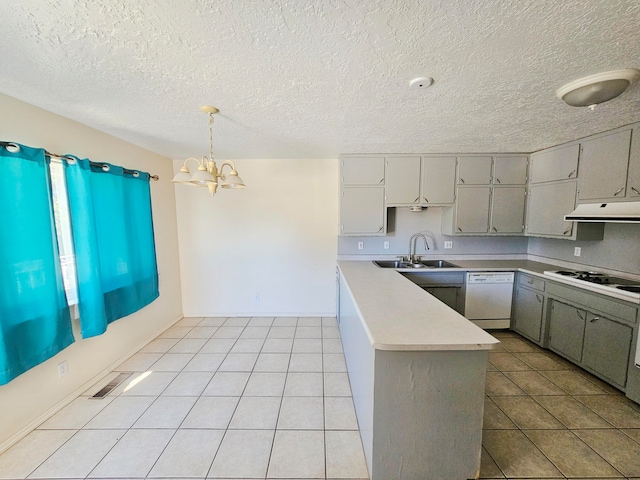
(104, 391)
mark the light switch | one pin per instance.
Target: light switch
(577, 251)
(360, 245)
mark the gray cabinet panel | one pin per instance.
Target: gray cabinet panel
(474, 170)
(606, 348)
(527, 313)
(365, 170)
(559, 163)
(507, 209)
(450, 296)
(362, 211)
(566, 330)
(510, 170)
(438, 180)
(633, 182)
(548, 204)
(603, 166)
(472, 210)
(402, 180)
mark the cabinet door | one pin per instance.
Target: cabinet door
(606, 348)
(548, 204)
(362, 211)
(603, 166)
(447, 295)
(472, 210)
(507, 209)
(474, 170)
(560, 163)
(527, 313)
(633, 182)
(438, 180)
(510, 170)
(402, 180)
(362, 170)
(566, 330)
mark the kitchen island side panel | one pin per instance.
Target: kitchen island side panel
(359, 356)
(428, 414)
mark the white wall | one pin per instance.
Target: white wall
(27, 399)
(276, 239)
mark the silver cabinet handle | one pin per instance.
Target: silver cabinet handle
(380, 229)
(578, 313)
(381, 181)
(635, 190)
(538, 298)
(494, 229)
(426, 199)
(595, 319)
(461, 180)
(498, 180)
(620, 190)
(417, 198)
(568, 230)
(571, 174)
(459, 229)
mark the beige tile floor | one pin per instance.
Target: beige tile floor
(258, 398)
(546, 418)
(222, 398)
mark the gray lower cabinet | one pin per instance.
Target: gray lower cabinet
(594, 331)
(528, 312)
(566, 330)
(607, 345)
(447, 295)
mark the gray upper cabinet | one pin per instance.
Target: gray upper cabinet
(438, 180)
(554, 164)
(507, 210)
(402, 180)
(474, 170)
(510, 170)
(472, 210)
(548, 203)
(362, 170)
(633, 182)
(604, 160)
(362, 211)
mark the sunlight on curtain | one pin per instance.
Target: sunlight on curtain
(114, 244)
(34, 317)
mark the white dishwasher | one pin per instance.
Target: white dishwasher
(488, 297)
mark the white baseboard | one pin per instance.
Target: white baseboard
(23, 432)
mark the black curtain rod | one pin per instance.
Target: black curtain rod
(93, 164)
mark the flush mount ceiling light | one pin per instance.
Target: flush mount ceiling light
(594, 89)
(208, 173)
(421, 83)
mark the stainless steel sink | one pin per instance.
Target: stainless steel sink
(420, 264)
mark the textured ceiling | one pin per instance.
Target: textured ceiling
(315, 78)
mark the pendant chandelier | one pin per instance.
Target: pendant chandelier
(208, 175)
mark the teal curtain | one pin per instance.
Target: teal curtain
(113, 241)
(34, 317)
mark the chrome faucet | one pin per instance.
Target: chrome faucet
(412, 246)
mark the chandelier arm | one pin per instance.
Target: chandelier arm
(195, 159)
(229, 163)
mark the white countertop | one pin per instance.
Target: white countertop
(399, 315)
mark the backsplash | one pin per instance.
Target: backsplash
(619, 250)
(403, 223)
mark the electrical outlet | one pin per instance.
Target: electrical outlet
(360, 245)
(448, 244)
(63, 368)
(577, 251)
(256, 297)
(386, 245)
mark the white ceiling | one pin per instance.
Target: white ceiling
(316, 78)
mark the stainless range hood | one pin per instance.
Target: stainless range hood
(618, 212)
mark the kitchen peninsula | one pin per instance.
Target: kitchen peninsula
(417, 370)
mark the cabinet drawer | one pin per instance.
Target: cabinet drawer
(594, 301)
(530, 282)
